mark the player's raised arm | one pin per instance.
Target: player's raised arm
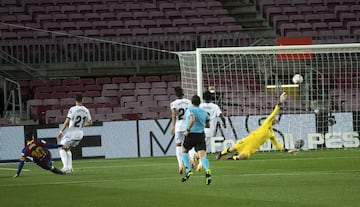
(270, 119)
(282, 98)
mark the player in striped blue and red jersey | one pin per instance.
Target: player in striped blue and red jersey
(38, 151)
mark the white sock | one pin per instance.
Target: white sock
(179, 155)
(191, 154)
(64, 158)
(69, 157)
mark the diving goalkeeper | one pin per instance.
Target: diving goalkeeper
(250, 144)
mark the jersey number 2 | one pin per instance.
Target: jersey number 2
(79, 121)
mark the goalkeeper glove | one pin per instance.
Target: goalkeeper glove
(283, 97)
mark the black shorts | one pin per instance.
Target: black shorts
(196, 140)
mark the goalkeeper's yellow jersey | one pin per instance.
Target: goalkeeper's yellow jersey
(257, 137)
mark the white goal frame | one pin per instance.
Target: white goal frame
(320, 110)
(286, 49)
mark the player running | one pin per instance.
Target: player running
(38, 151)
(77, 117)
(214, 111)
(178, 108)
(250, 144)
(196, 120)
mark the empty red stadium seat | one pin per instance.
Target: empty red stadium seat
(98, 117)
(136, 79)
(159, 84)
(70, 82)
(142, 91)
(119, 80)
(92, 93)
(162, 97)
(114, 116)
(158, 91)
(149, 115)
(127, 99)
(109, 92)
(50, 115)
(103, 110)
(169, 78)
(131, 116)
(51, 101)
(33, 103)
(142, 85)
(132, 105)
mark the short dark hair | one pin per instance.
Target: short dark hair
(207, 96)
(179, 91)
(195, 100)
(29, 138)
(78, 97)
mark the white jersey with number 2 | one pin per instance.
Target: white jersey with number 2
(180, 105)
(78, 116)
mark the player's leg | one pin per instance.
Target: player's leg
(200, 166)
(244, 153)
(186, 160)
(64, 158)
(69, 158)
(240, 156)
(179, 138)
(65, 141)
(201, 149)
(47, 164)
(73, 143)
(187, 145)
(192, 155)
(57, 171)
(199, 163)
(225, 152)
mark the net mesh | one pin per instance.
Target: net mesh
(248, 82)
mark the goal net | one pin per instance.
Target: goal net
(323, 110)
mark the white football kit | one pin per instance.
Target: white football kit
(78, 116)
(180, 105)
(214, 111)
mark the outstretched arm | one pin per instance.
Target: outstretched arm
(276, 143)
(281, 148)
(66, 124)
(283, 97)
(53, 145)
(271, 117)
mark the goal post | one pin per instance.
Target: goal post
(248, 81)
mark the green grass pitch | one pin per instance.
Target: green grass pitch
(311, 178)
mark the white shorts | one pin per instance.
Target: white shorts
(179, 137)
(209, 132)
(72, 139)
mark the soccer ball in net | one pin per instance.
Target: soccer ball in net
(297, 79)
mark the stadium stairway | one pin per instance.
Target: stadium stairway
(250, 20)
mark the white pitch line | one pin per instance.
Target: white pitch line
(48, 183)
(307, 173)
(12, 169)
